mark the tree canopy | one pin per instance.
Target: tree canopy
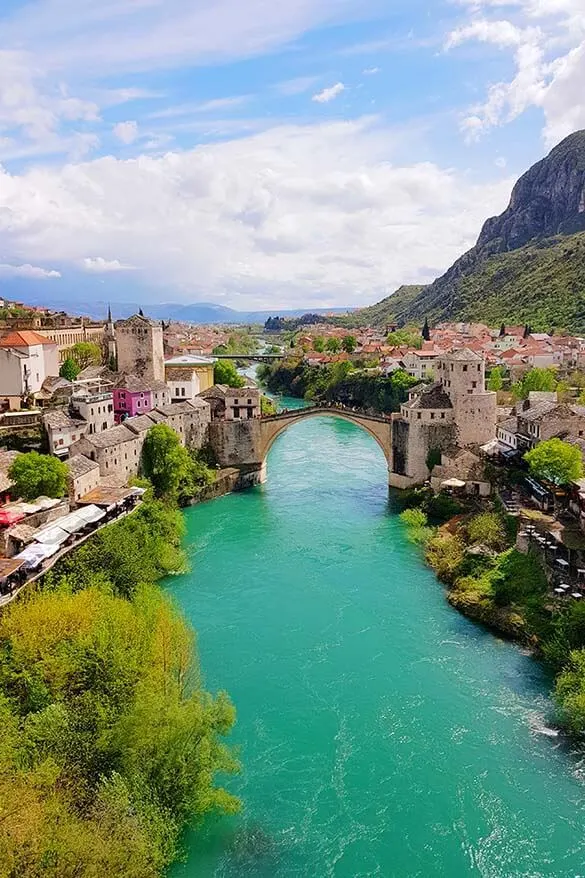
(556, 461)
(109, 742)
(496, 379)
(164, 460)
(333, 345)
(349, 344)
(35, 475)
(225, 372)
(69, 369)
(537, 379)
(86, 353)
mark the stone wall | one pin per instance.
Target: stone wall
(237, 443)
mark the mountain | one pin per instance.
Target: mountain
(195, 312)
(528, 265)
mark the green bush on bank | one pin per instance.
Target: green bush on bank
(110, 743)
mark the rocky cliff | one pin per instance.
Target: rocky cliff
(546, 213)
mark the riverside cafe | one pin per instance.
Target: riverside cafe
(47, 542)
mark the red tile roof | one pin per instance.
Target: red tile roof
(24, 338)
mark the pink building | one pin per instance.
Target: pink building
(132, 396)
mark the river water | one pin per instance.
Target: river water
(381, 733)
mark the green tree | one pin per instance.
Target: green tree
(164, 461)
(496, 379)
(86, 353)
(319, 344)
(487, 529)
(225, 372)
(69, 369)
(426, 332)
(109, 742)
(349, 344)
(433, 458)
(267, 406)
(35, 475)
(333, 345)
(556, 461)
(409, 336)
(537, 379)
(570, 692)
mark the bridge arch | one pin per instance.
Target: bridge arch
(378, 428)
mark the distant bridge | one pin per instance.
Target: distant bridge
(256, 358)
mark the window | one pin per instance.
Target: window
(443, 415)
(474, 383)
(249, 402)
(235, 401)
(60, 442)
(432, 416)
(465, 368)
(236, 413)
(418, 416)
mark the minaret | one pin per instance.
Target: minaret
(110, 340)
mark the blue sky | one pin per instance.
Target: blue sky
(269, 155)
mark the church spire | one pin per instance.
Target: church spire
(109, 313)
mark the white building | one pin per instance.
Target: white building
(26, 359)
(420, 364)
(187, 376)
(96, 407)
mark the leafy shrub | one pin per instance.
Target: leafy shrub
(445, 553)
(487, 529)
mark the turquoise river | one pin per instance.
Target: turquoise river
(380, 733)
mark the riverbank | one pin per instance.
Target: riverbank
(491, 581)
(110, 742)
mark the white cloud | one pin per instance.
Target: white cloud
(547, 41)
(126, 132)
(99, 265)
(29, 272)
(141, 35)
(329, 94)
(37, 112)
(295, 215)
(371, 71)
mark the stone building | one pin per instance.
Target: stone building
(454, 411)
(190, 421)
(139, 344)
(84, 476)
(232, 403)
(116, 450)
(63, 430)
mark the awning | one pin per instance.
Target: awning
(54, 534)
(34, 555)
(8, 517)
(453, 483)
(91, 514)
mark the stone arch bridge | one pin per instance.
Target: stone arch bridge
(245, 444)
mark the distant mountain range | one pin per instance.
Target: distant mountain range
(196, 312)
(528, 265)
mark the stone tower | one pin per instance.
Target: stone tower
(462, 374)
(139, 343)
